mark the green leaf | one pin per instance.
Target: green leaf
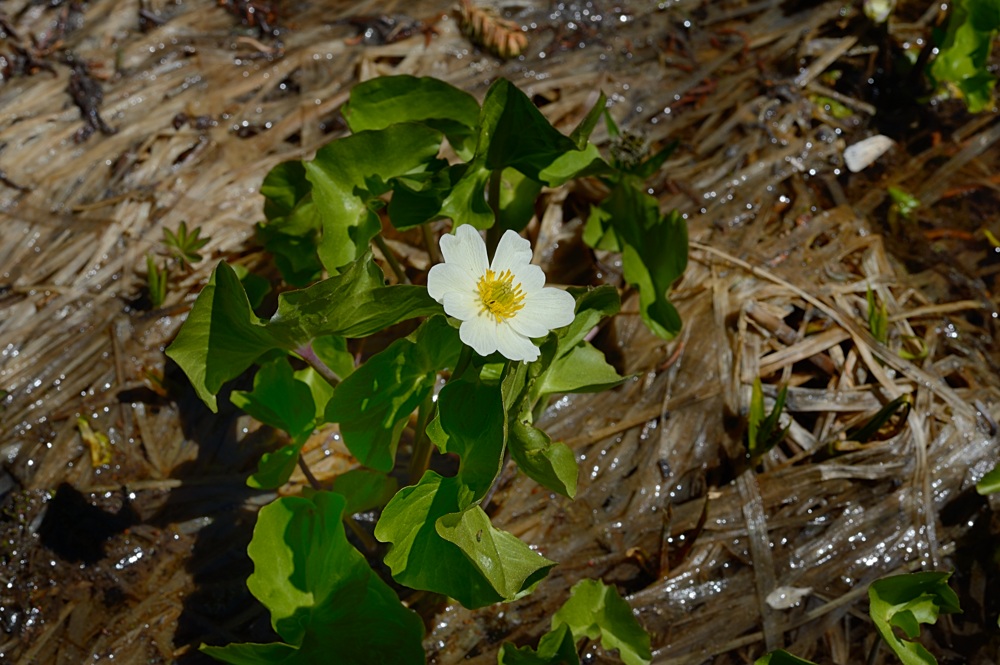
(595, 610)
(292, 230)
(781, 657)
(253, 654)
(652, 164)
(517, 199)
(654, 250)
(185, 245)
(352, 304)
(279, 399)
(555, 648)
(332, 350)
(319, 389)
(511, 567)
(582, 369)
(388, 100)
(990, 482)
(466, 202)
(348, 176)
(906, 601)
(437, 546)
(256, 287)
(364, 489)
(470, 424)
(284, 187)
(513, 133)
(276, 467)
(549, 464)
(222, 336)
(373, 403)
(868, 430)
(960, 67)
(764, 431)
(322, 596)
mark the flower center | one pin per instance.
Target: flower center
(499, 295)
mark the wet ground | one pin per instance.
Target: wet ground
(117, 121)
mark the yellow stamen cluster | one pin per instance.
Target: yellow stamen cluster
(499, 295)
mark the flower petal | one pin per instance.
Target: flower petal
(513, 252)
(480, 333)
(545, 310)
(464, 306)
(515, 346)
(445, 278)
(530, 277)
(466, 250)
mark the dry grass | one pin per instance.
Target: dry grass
(784, 250)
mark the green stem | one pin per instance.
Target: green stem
(493, 233)
(432, 247)
(422, 445)
(366, 538)
(397, 269)
(313, 482)
(423, 448)
(306, 353)
(463, 363)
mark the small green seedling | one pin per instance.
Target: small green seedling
(764, 432)
(157, 278)
(185, 245)
(878, 318)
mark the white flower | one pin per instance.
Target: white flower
(502, 304)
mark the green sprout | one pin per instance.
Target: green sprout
(157, 279)
(878, 318)
(764, 432)
(184, 244)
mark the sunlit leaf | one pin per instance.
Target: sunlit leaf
(222, 336)
(276, 467)
(322, 596)
(438, 546)
(550, 464)
(517, 199)
(350, 173)
(470, 424)
(388, 100)
(654, 249)
(905, 602)
(373, 403)
(581, 369)
(596, 611)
